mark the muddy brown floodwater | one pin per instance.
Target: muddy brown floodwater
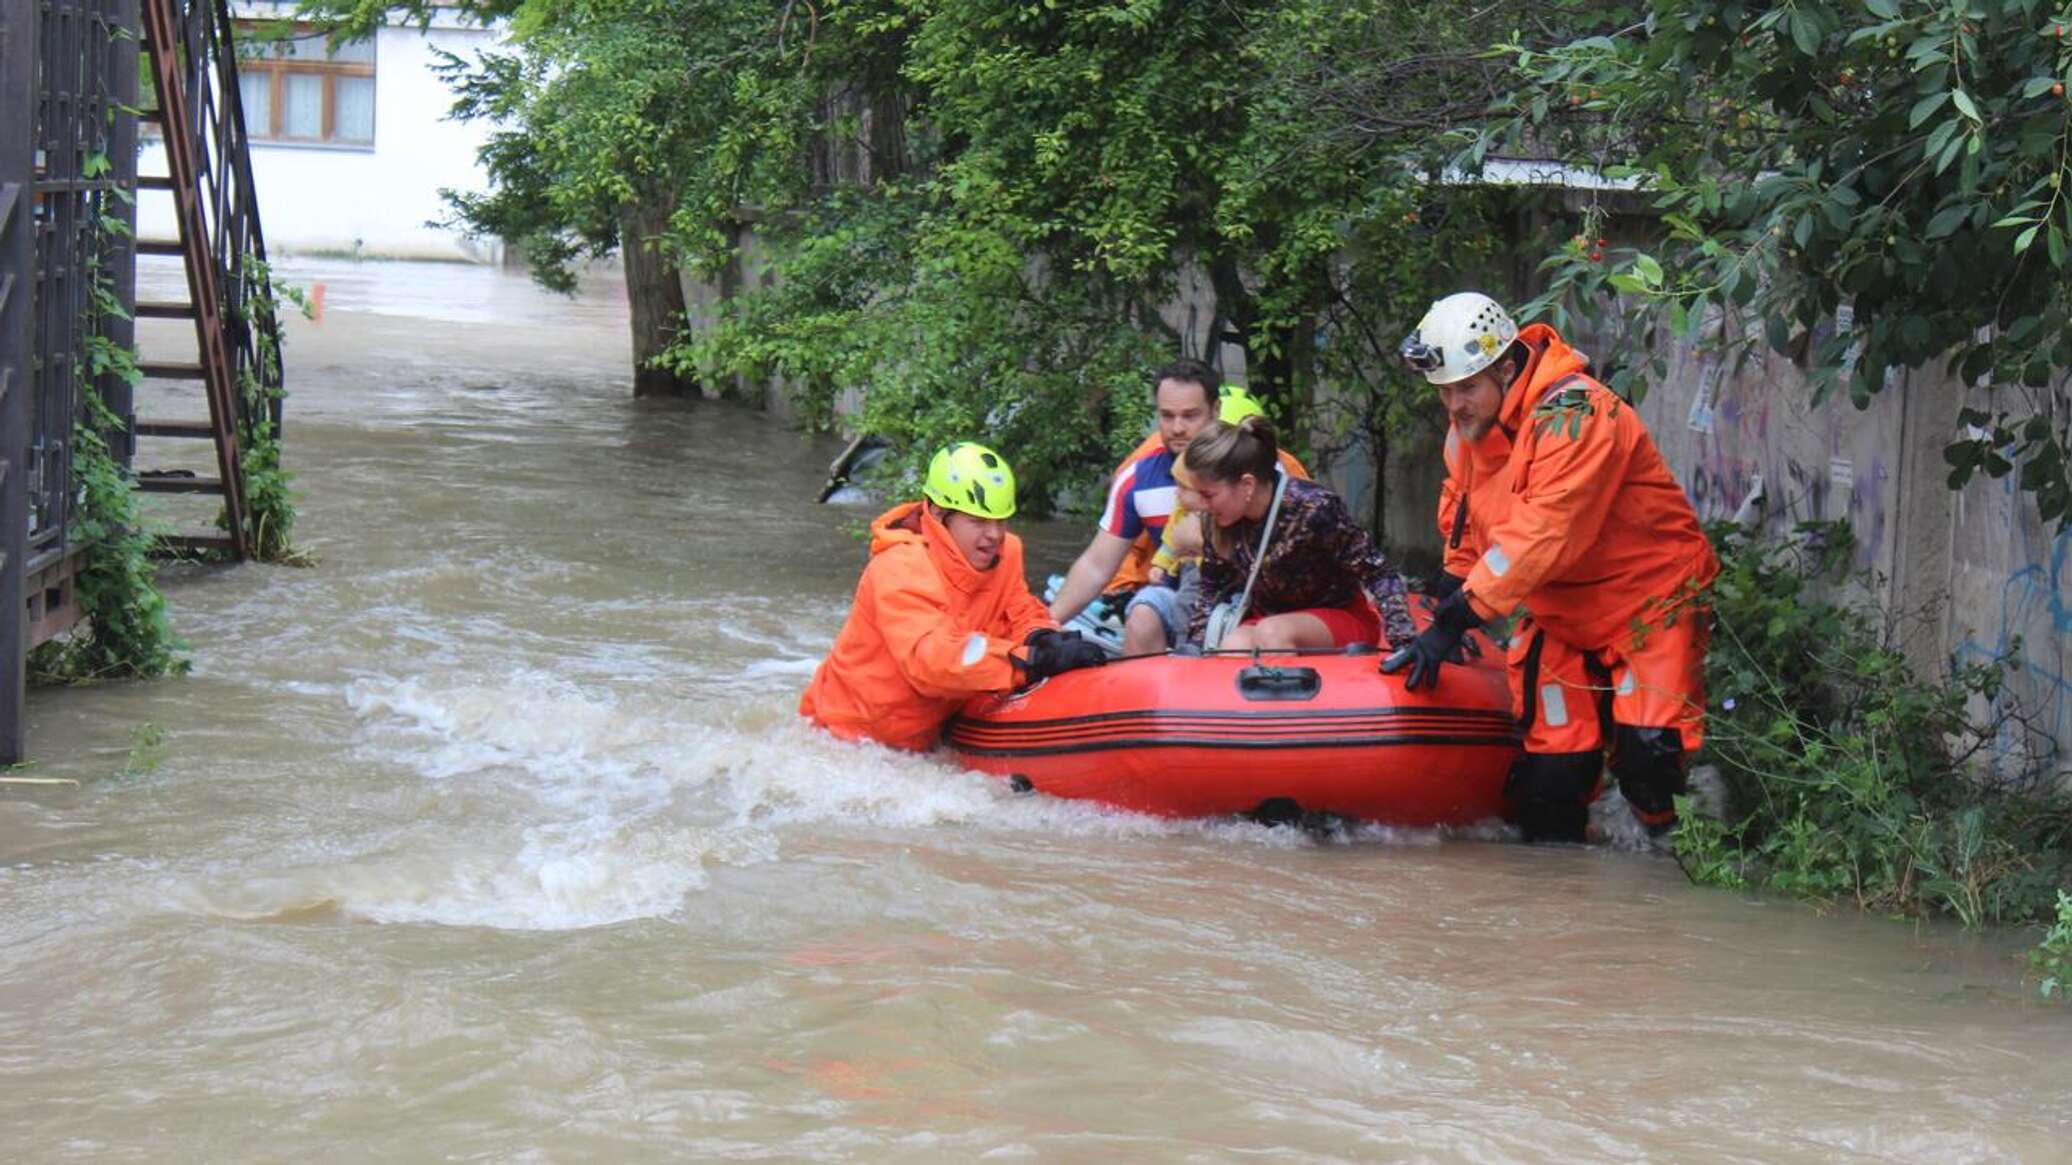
(494, 837)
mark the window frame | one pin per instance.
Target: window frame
(254, 60)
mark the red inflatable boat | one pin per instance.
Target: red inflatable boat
(1234, 733)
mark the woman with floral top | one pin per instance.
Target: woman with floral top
(1321, 569)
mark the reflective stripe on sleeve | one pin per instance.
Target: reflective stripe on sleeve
(1497, 561)
(974, 650)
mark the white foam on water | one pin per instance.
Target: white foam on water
(543, 724)
(801, 667)
(585, 806)
(550, 878)
(822, 781)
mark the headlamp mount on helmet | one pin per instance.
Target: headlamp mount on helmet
(1419, 356)
(1460, 336)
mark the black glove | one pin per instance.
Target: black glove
(1439, 642)
(1443, 586)
(1052, 652)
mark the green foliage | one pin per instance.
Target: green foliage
(689, 107)
(1866, 186)
(1004, 276)
(975, 216)
(1063, 170)
(146, 751)
(2052, 958)
(1847, 776)
(269, 502)
(126, 630)
(949, 346)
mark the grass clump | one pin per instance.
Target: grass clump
(1851, 778)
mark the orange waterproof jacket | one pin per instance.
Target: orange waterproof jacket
(1566, 507)
(927, 632)
(1135, 570)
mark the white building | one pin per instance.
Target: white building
(351, 146)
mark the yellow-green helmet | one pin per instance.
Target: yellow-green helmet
(1236, 403)
(972, 479)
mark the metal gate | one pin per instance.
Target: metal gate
(63, 170)
(68, 179)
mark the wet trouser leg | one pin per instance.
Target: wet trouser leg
(1560, 694)
(1658, 707)
(1642, 696)
(1551, 794)
(1649, 765)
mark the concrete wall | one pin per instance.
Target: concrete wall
(371, 201)
(1969, 576)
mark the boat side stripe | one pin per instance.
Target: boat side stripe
(1226, 743)
(1304, 715)
(1002, 735)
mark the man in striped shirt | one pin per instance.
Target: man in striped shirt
(1141, 495)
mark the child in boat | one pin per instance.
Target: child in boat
(1321, 569)
(1156, 617)
(942, 612)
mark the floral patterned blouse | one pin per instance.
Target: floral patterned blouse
(1319, 557)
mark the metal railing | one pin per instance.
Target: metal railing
(230, 203)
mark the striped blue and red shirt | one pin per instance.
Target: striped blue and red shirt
(1141, 498)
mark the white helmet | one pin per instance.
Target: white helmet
(1462, 334)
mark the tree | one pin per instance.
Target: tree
(1032, 186)
(1070, 165)
(1893, 166)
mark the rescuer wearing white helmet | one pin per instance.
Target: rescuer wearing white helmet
(1556, 502)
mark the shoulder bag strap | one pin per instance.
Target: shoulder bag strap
(1273, 511)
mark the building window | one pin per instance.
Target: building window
(295, 88)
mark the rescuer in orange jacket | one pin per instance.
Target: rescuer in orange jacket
(942, 612)
(1557, 503)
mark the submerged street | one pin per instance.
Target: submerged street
(495, 837)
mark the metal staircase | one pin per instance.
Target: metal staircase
(193, 67)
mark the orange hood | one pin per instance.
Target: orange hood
(910, 524)
(1552, 359)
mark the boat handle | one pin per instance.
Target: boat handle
(1261, 682)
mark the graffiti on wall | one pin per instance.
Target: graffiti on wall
(1760, 454)
(2034, 626)
(1749, 444)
